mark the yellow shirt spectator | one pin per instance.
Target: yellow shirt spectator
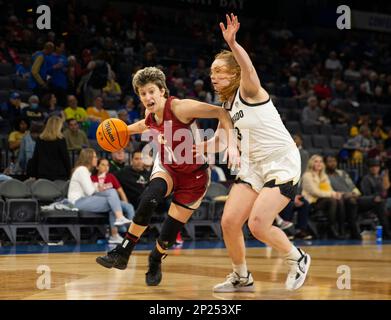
(78, 113)
(97, 115)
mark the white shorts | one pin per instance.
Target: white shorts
(282, 169)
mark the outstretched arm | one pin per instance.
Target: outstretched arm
(187, 109)
(137, 127)
(249, 82)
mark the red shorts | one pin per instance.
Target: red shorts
(189, 188)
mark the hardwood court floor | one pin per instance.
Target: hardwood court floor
(191, 274)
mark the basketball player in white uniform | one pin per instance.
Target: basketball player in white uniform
(270, 166)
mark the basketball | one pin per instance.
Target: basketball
(112, 134)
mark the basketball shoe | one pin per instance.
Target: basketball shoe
(117, 258)
(298, 270)
(235, 283)
(154, 274)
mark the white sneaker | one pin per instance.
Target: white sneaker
(122, 221)
(297, 271)
(116, 239)
(235, 283)
(285, 225)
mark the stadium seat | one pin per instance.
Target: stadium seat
(307, 128)
(293, 127)
(46, 191)
(307, 141)
(341, 130)
(21, 84)
(336, 142)
(320, 141)
(326, 129)
(6, 83)
(6, 69)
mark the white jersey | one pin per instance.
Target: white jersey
(259, 128)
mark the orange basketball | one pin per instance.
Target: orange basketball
(112, 134)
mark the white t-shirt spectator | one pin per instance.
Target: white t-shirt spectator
(80, 185)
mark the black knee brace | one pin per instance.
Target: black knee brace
(149, 200)
(170, 229)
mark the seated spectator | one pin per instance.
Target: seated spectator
(75, 138)
(304, 155)
(112, 89)
(12, 109)
(290, 90)
(360, 144)
(23, 70)
(352, 198)
(27, 146)
(332, 63)
(16, 136)
(322, 90)
(200, 93)
(379, 129)
(51, 158)
(84, 195)
(49, 104)
(34, 112)
(311, 113)
(133, 178)
(123, 115)
(75, 112)
(118, 159)
(96, 112)
(318, 192)
(106, 180)
(133, 112)
(352, 75)
(333, 112)
(302, 207)
(375, 186)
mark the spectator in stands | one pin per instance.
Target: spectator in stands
(123, 115)
(50, 159)
(199, 93)
(318, 192)
(34, 112)
(49, 104)
(12, 109)
(376, 185)
(133, 178)
(133, 112)
(351, 74)
(21, 126)
(75, 138)
(84, 195)
(305, 89)
(117, 162)
(58, 68)
(73, 111)
(361, 144)
(311, 113)
(379, 130)
(332, 112)
(352, 199)
(39, 69)
(112, 88)
(304, 155)
(364, 95)
(27, 146)
(291, 89)
(332, 63)
(321, 89)
(105, 180)
(302, 207)
(97, 113)
(23, 70)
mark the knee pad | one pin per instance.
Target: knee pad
(149, 200)
(170, 229)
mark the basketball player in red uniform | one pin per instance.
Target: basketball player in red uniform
(177, 169)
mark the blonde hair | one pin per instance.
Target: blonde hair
(85, 158)
(150, 75)
(52, 130)
(234, 69)
(310, 166)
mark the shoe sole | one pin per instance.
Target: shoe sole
(107, 265)
(239, 289)
(301, 282)
(153, 284)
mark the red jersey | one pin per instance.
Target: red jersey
(175, 140)
(109, 181)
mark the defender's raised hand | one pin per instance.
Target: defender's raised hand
(233, 26)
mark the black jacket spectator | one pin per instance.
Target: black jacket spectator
(50, 159)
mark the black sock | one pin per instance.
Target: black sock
(129, 242)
